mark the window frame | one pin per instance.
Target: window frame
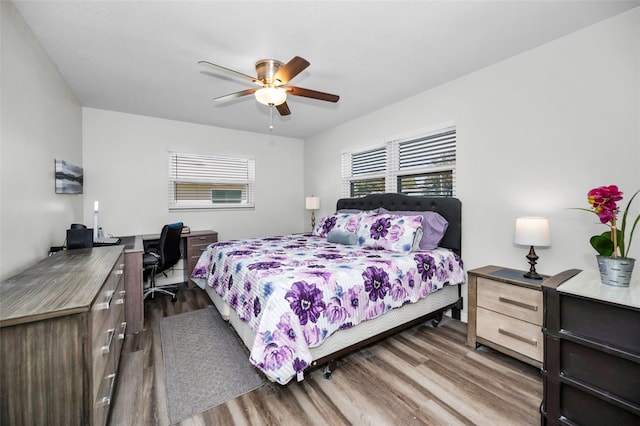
(393, 170)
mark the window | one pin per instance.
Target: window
(210, 181)
(421, 166)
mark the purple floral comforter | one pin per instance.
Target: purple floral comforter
(296, 290)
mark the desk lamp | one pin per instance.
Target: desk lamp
(312, 203)
(95, 220)
(532, 231)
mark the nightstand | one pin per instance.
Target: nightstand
(505, 313)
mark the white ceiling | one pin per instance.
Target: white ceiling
(141, 57)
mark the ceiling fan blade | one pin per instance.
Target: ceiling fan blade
(283, 109)
(235, 95)
(314, 94)
(230, 72)
(291, 69)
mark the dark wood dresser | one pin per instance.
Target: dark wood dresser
(197, 242)
(591, 370)
(62, 325)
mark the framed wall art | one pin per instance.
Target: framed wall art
(68, 178)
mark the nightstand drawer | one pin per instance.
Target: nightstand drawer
(196, 245)
(201, 242)
(520, 336)
(517, 302)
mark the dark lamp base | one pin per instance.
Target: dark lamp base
(532, 257)
(532, 275)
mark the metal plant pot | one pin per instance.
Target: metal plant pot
(615, 271)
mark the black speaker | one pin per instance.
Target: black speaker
(79, 238)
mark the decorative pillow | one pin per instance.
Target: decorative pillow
(342, 237)
(390, 232)
(434, 227)
(345, 222)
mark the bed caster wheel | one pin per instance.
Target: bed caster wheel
(326, 372)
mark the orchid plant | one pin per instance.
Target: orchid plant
(603, 202)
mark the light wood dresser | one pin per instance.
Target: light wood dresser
(62, 325)
(505, 313)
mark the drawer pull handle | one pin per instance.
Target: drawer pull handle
(107, 399)
(520, 304)
(532, 342)
(106, 348)
(124, 329)
(107, 303)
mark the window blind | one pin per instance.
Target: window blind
(364, 172)
(428, 151)
(371, 161)
(210, 181)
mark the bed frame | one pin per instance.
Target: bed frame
(431, 307)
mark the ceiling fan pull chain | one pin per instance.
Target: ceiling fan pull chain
(271, 117)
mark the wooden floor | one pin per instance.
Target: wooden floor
(423, 376)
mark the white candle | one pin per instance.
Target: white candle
(95, 206)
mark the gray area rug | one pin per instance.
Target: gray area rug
(205, 363)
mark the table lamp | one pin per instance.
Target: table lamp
(312, 203)
(532, 231)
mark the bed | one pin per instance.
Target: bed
(301, 301)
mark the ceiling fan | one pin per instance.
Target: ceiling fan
(272, 80)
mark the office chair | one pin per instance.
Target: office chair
(167, 255)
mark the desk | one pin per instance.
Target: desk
(191, 247)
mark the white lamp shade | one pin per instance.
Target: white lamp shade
(532, 231)
(271, 96)
(312, 203)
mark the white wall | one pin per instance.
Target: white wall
(535, 133)
(126, 162)
(41, 121)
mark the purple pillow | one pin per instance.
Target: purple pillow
(433, 227)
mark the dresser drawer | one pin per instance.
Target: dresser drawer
(107, 314)
(106, 298)
(102, 402)
(621, 377)
(512, 300)
(519, 336)
(104, 380)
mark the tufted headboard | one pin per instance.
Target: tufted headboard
(449, 208)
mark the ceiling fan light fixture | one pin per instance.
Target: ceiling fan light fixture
(271, 96)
